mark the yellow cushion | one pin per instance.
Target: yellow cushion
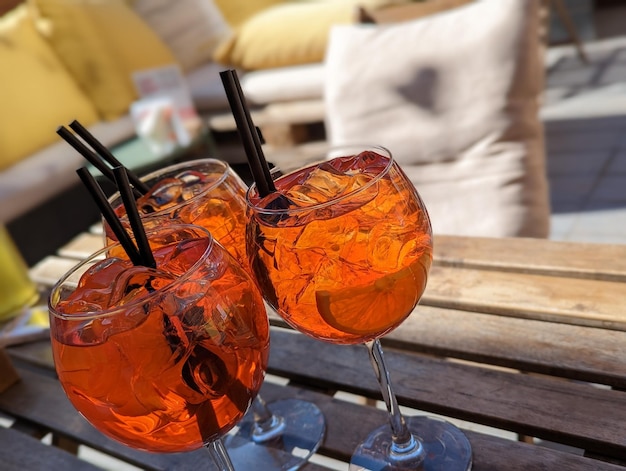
(37, 93)
(102, 43)
(237, 11)
(288, 34)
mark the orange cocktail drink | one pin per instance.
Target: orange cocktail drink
(343, 248)
(166, 359)
(208, 193)
(204, 192)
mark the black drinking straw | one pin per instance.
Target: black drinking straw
(257, 137)
(103, 152)
(247, 132)
(123, 185)
(89, 155)
(110, 216)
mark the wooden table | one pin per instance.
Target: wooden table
(522, 342)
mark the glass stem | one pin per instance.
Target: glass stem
(266, 424)
(404, 444)
(220, 455)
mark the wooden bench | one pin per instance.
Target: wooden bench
(20, 452)
(520, 342)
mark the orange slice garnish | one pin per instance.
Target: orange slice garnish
(374, 308)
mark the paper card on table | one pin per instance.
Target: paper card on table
(154, 86)
(32, 324)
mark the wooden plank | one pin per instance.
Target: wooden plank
(82, 246)
(8, 374)
(40, 399)
(49, 270)
(540, 256)
(505, 456)
(36, 353)
(570, 351)
(285, 135)
(347, 423)
(564, 350)
(594, 303)
(292, 112)
(20, 452)
(594, 355)
(429, 375)
(566, 412)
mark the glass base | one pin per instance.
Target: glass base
(302, 433)
(444, 448)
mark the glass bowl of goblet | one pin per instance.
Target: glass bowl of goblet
(164, 359)
(342, 252)
(207, 192)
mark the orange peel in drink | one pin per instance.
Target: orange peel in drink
(373, 308)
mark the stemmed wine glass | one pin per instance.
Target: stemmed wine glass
(164, 359)
(208, 193)
(342, 252)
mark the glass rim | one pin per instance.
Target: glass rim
(332, 201)
(97, 256)
(180, 165)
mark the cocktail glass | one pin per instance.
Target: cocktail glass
(342, 252)
(166, 359)
(210, 194)
(203, 192)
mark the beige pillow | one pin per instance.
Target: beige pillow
(192, 29)
(455, 98)
(289, 33)
(396, 13)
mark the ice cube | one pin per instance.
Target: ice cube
(327, 182)
(322, 184)
(177, 262)
(366, 162)
(94, 287)
(164, 194)
(191, 183)
(136, 283)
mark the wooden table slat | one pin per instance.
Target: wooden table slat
(349, 423)
(587, 302)
(564, 350)
(39, 398)
(42, 399)
(19, 452)
(540, 256)
(552, 409)
(82, 246)
(523, 335)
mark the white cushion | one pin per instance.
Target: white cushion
(298, 82)
(33, 180)
(455, 97)
(260, 87)
(192, 29)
